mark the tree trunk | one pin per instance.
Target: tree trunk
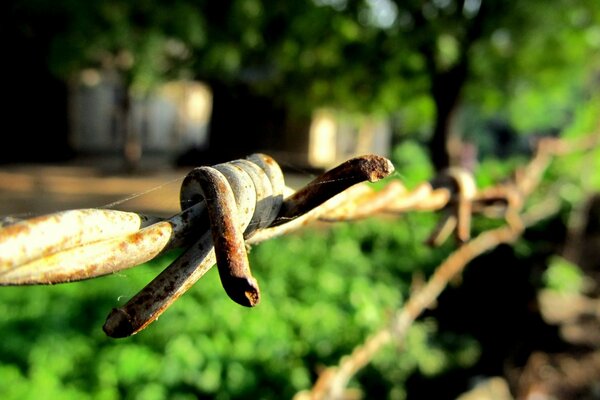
(446, 89)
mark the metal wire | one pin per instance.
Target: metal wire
(225, 208)
(222, 207)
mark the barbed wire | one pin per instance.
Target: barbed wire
(223, 208)
(244, 202)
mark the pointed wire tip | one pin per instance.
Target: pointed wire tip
(378, 167)
(118, 324)
(242, 290)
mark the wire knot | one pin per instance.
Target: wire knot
(241, 197)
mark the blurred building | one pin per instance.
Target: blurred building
(168, 121)
(333, 138)
(186, 121)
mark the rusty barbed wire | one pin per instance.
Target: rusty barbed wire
(225, 208)
(225, 205)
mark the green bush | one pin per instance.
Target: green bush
(324, 290)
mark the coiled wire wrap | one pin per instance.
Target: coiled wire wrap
(80, 244)
(249, 192)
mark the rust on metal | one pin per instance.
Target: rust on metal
(224, 208)
(146, 306)
(366, 204)
(228, 240)
(366, 168)
(34, 238)
(94, 259)
(258, 182)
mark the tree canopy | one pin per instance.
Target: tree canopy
(527, 61)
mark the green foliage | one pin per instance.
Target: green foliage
(412, 163)
(323, 291)
(585, 120)
(430, 358)
(362, 56)
(145, 42)
(563, 276)
(535, 66)
(577, 175)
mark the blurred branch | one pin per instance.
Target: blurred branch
(332, 382)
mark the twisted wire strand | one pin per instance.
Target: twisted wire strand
(26, 240)
(81, 244)
(247, 196)
(224, 207)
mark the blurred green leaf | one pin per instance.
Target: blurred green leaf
(563, 276)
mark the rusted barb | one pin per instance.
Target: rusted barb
(228, 240)
(146, 306)
(365, 168)
(242, 180)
